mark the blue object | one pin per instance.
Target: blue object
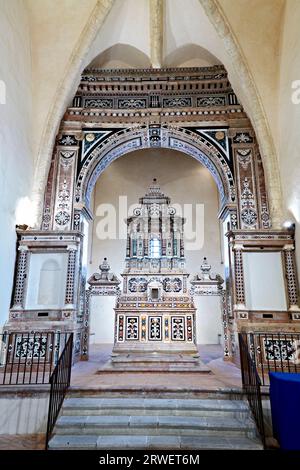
(285, 408)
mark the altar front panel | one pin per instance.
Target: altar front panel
(161, 327)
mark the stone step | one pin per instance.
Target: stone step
(161, 406)
(120, 442)
(154, 363)
(151, 391)
(154, 425)
(154, 368)
(154, 358)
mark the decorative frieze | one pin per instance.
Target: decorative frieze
(63, 207)
(239, 278)
(20, 287)
(226, 307)
(291, 278)
(70, 284)
(252, 197)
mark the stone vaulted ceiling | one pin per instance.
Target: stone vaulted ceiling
(155, 33)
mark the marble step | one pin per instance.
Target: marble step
(154, 368)
(155, 425)
(154, 357)
(154, 406)
(151, 363)
(121, 441)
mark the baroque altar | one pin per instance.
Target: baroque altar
(155, 313)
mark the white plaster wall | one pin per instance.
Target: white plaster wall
(23, 415)
(289, 117)
(55, 28)
(16, 164)
(127, 23)
(102, 317)
(256, 25)
(183, 179)
(208, 319)
(264, 281)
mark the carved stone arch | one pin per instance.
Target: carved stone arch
(172, 137)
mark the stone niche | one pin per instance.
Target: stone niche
(263, 273)
(46, 281)
(47, 290)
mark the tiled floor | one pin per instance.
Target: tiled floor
(223, 374)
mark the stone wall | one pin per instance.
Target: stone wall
(289, 117)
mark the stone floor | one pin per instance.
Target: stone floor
(223, 374)
(22, 442)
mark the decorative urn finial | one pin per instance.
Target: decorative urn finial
(205, 268)
(104, 266)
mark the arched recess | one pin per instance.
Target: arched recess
(175, 138)
(124, 55)
(50, 277)
(235, 59)
(191, 55)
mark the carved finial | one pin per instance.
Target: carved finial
(105, 278)
(205, 268)
(154, 187)
(207, 281)
(104, 266)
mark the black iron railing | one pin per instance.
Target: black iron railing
(59, 384)
(252, 385)
(274, 352)
(29, 358)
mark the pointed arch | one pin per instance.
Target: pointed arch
(219, 21)
(65, 91)
(235, 58)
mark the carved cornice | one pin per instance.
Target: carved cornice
(258, 238)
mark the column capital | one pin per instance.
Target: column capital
(288, 247)
(23, 248)
(72, 247)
